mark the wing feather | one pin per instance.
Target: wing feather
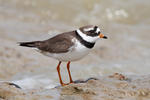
(58, 44)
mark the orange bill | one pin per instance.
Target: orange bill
(102, 36)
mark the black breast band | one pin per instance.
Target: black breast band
(85, 43)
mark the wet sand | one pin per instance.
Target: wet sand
(114, 87)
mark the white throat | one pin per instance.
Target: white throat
(86, 37)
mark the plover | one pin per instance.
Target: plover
(68, 46)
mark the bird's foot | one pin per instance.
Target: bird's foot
(64, 84)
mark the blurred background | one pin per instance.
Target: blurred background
(125, 22)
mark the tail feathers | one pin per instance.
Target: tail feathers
(30, 44)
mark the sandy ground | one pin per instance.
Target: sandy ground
(114, 87)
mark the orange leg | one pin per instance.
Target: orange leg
(68, 68)
(58, 70)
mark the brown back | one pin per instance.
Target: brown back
(58, 44)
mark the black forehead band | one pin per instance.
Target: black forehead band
(93, 32)
(95, 28)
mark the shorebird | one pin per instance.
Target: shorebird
(68, 46)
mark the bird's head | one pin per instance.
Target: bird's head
(90, 33)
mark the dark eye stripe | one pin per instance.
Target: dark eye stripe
(93, 32)
(95, 29)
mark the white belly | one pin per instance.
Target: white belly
(76, 52)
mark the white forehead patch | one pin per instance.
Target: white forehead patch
(86, 37)
(88, 29)
(98, 30)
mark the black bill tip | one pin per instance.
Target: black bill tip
(105, 37)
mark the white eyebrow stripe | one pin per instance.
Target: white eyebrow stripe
(86, 37)
(88, 29)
